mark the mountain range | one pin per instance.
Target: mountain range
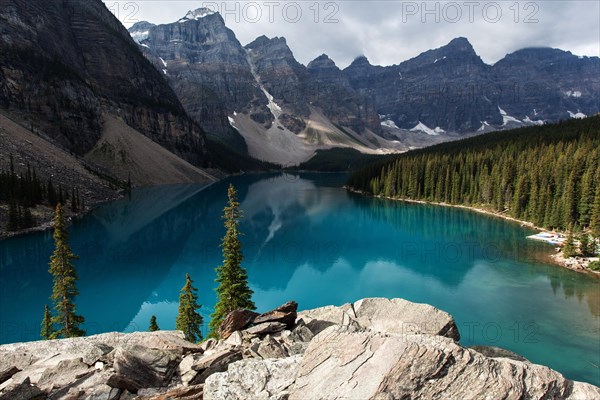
(86, 101)
(285, 111)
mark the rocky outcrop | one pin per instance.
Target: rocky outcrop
(254, 379)
(384, 315)
(392, 349)
(236, 321)
(367, 365)
(106, 366)
(285, 314)
(370, 349)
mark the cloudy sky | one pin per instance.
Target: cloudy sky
(389, 32)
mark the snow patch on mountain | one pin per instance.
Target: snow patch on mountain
(530, 121)
(484, 125)
(196, 14)
(439, 59)
(232, 121)
(140, 36)
(274, 107)
(573, 93)
(421, 127)
(506, 119)
(577, 115)
(388, 123)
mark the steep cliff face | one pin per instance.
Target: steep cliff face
(205, 65)
(338, 100)
(451, 88)
(65, 63)
(259, 91)
(548, 84)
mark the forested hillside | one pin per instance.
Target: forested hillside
(548, 175)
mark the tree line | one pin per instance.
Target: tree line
(547, 175)
(25, 190)
(233, 291)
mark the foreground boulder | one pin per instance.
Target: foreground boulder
(373, 365)
(384, 315)
(236, 321)
(285, 314)
(254, 379)
(106, 366)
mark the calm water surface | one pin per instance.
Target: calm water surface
(308, 240)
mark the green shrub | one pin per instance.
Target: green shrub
(595, 266)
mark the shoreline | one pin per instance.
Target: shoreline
(554, 258)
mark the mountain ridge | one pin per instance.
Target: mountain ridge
(442, 94)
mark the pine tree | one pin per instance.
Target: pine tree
(587, 245)
(65, 277)
(153, 325)
(47, 330)
(569, 246)
(595, 217)
(233, 291)
(188, 320)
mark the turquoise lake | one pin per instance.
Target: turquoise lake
(307, 239)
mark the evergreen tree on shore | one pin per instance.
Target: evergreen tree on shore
(233, 291)
(568, 249)
(153, 325)
(587, 245)
(47, 330)
(188, 319)
(595, 217)
(65, 278)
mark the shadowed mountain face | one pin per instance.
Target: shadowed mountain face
(66, 63)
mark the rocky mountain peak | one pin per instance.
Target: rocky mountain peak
(197, 14)
(539, 54)
(322, 61)
(141, 26)
(360, 61)
(263, 41)
(140, 30)
(461, 44)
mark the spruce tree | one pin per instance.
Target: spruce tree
(233, 291)
(587, 245)
(595, 217)
(65, 277)
(47, 330)
(569, 246)
(188, 319)
(153, 325)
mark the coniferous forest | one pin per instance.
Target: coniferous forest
(548, 175)
(25, 190)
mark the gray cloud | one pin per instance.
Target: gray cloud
(389, 32)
